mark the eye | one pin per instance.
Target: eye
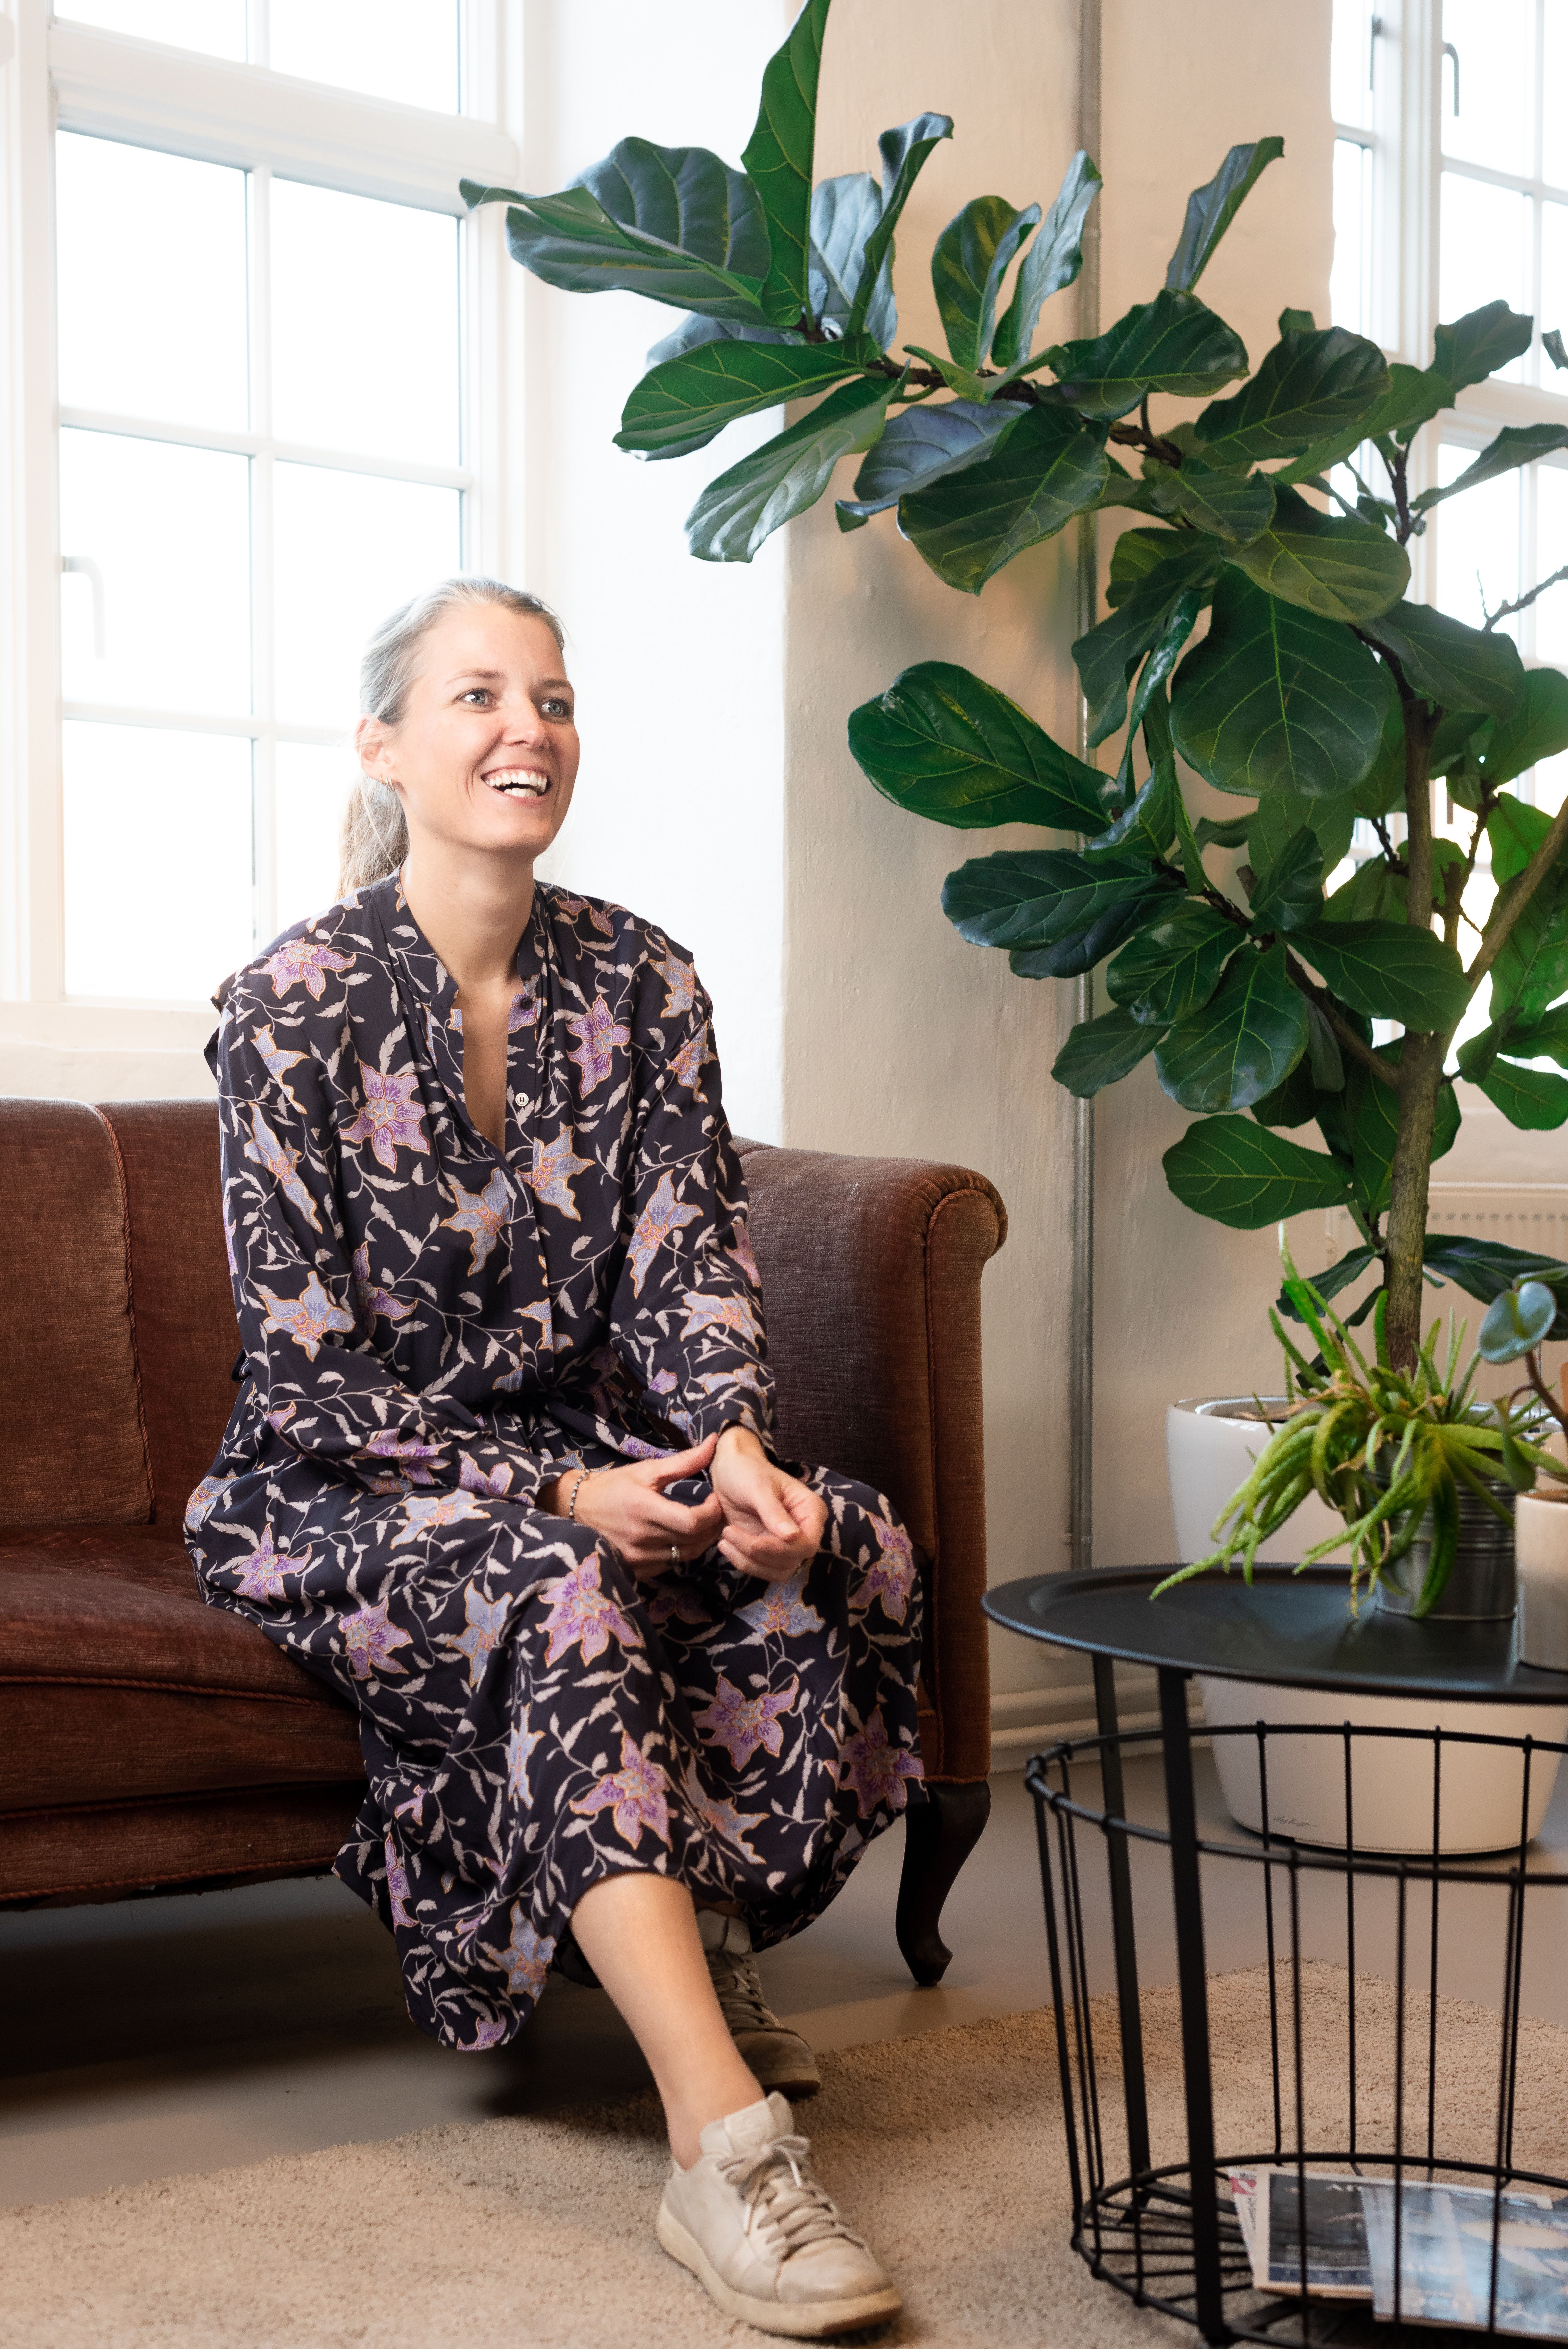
(555, 705)
(479, 695)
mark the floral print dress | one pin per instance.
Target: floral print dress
(432, 1331)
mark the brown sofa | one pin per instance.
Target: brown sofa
(149, 1744)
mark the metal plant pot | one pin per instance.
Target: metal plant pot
(1482, 1585)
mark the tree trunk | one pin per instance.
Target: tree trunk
(1421, 1074)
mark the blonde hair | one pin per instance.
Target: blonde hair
(375, 837)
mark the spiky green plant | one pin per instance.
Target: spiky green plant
(1389, 1450)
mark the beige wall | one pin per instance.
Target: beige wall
(897, 1035)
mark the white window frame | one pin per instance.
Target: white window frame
(58, 75)
(1409, 88)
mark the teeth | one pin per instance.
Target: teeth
(518, 780)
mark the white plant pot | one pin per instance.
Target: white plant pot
(1541, 1544)
(1211, 1452)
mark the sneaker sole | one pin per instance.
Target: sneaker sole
(802, 2322)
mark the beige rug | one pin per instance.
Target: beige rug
(946, 2148)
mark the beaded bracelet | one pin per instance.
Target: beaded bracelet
(572, 1502)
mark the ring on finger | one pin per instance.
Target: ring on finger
(674, 1556)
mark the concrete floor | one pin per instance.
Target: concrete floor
(153, 2037)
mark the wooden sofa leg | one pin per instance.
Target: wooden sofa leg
(938, 1836)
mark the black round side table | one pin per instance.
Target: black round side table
(1162, 2232)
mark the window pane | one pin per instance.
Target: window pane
(1485, 254)
(139, 234)
(158, 861)
(1554, 93)
(405, 49)
(1551, 554)
(1554, 285)
(364, 336)
(159, 615)
(1478, 542)
(1495, 122)
(310, 791)
(1348, 285)
(216, 27)
(1351, 64)
(349, 549)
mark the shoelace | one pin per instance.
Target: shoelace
(782, 2193)
(740, 1993)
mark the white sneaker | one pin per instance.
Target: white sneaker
(776, 2057)
(764, 2238)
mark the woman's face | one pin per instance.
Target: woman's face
(485, 754)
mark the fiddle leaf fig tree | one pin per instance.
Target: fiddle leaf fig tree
(1260, 634)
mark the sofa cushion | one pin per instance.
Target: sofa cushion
(70, 1419)
(119, 1680)
(186, 1334)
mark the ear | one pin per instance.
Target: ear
(371, 744)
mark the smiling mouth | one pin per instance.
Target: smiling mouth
(518, 782)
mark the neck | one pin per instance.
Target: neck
(473, 909)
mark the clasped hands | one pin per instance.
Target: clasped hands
(762, 1521)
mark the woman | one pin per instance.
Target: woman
(629, 1690)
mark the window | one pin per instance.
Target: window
(1451, 190)
(250, 308)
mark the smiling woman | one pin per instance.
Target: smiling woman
(631, 1689)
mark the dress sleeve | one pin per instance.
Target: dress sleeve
(687, 1305)
(306, 1316)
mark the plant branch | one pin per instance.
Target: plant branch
(1507, 611)
(1398, 482)
(1517, 895)
(1532, 1373)
(1355, 1045)
(1391, 855)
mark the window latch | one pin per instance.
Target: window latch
(1453, 57)
(90, 570)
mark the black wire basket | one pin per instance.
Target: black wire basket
(1380, 2033)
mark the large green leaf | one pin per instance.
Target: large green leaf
(674, 223)
(903, 150)
(1050, 262)
(680, 404)
(1533, 1099)
(1247, 1175)
(1288, 895)
(1232, 506)
(1544, 1039)
(1080, 950)
(774, 483)
(1389, 971)
(1107, 655)
(1531, 969)
(1174, 965)
(778, 160)
(1535, 728)
(1341, 570)
(1463, 668)
(694, 329)
(1173, 344)
(1307, 386)
(1048, 469)
(923, 444)
(1211, 208)
(843, 214)
(1414, 394)
(1514, 831)
(1150, 819)
(970, 259)
(1373, 1110)
(1280, 815)
(1484, 1268)
(1242, 1044)
(1515, 445)
(1100, 1051)
(1036, 897)
(1277, 699)
(1480, 343)
(943, 744)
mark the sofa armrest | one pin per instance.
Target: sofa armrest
(871, 1273)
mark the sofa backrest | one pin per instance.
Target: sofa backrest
(72, 1449)
(186, 1334)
